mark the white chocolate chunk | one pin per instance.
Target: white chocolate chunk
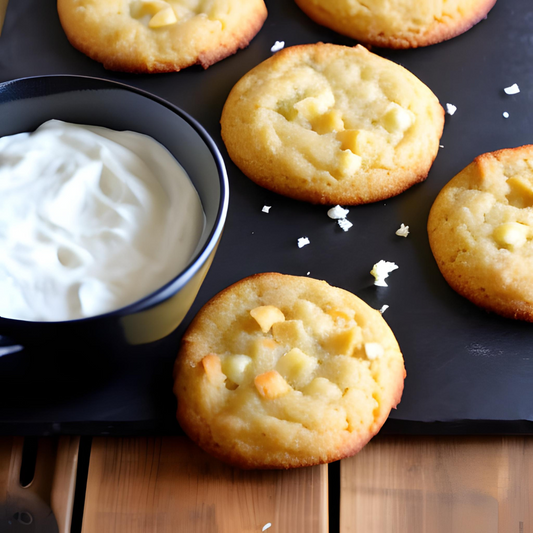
(513, 89)
(277, 46)
(381, 270)
(451, 109)
(324, 388)
(296, 366)
(303, 241)
(234, 366)
(397, 119)
(344, 224)
(402, 231)
(349, 163)
(344, 342)
(313, 106)
(337, 212)
(511, 234)
(373, 350)
(266, 316)
(140, 8)
(165, 17)
(328, 122)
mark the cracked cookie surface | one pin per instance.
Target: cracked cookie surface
(150, 36)
(398, 23)
(332, 124)
(280, 371)
(480, 230)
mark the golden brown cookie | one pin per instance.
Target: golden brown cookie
(481, 232)
(398, 23)
(280, 371)
(332, 124)
(149, 36)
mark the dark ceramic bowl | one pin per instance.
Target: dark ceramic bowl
(27, 103)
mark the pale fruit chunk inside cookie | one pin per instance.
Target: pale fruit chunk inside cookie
(293, 370)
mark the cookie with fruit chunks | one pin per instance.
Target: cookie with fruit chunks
(481, 232)
(280, 371)
(332, 124)
(151, 36)
(398, 23)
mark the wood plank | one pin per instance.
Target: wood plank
(3, 8)
(144, 485)
(439, 485)
(52, 487)
(64, 484)
(6, 447)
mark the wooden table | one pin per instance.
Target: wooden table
(395, 485)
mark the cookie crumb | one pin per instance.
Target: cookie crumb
(344, 223)
(277, 46)
(451, 109)
(505, 114)
(402, 231)
(513, 89)
(383, 308)
(303, 241)
(266, 208)
(381, 270)
(337, 212)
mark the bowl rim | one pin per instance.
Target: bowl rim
(202, 255)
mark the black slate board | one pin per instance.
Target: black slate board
(468, 371)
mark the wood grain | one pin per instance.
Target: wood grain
(144, 485)
(439, 485)
(3, 7)
(52, 487)
(64, 485)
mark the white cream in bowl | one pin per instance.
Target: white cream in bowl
(91, 220)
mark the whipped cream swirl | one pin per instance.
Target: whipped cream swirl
(91, 220)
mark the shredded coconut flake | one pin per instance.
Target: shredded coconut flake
(441, 146)
(383, 308)
(266, 208)
(402, 231)
(381, 270)
(277, 46)
(505, 114)
(303, 241)
(309, 273)
(451, 109)
(344, 223)
(513, 89)
(266, 526)
(337, 212)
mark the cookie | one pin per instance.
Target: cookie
(149, 36)
(398, 23)
(280, 371)
(332, 124)
(481, 232)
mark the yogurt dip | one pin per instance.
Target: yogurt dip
(91, 220)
